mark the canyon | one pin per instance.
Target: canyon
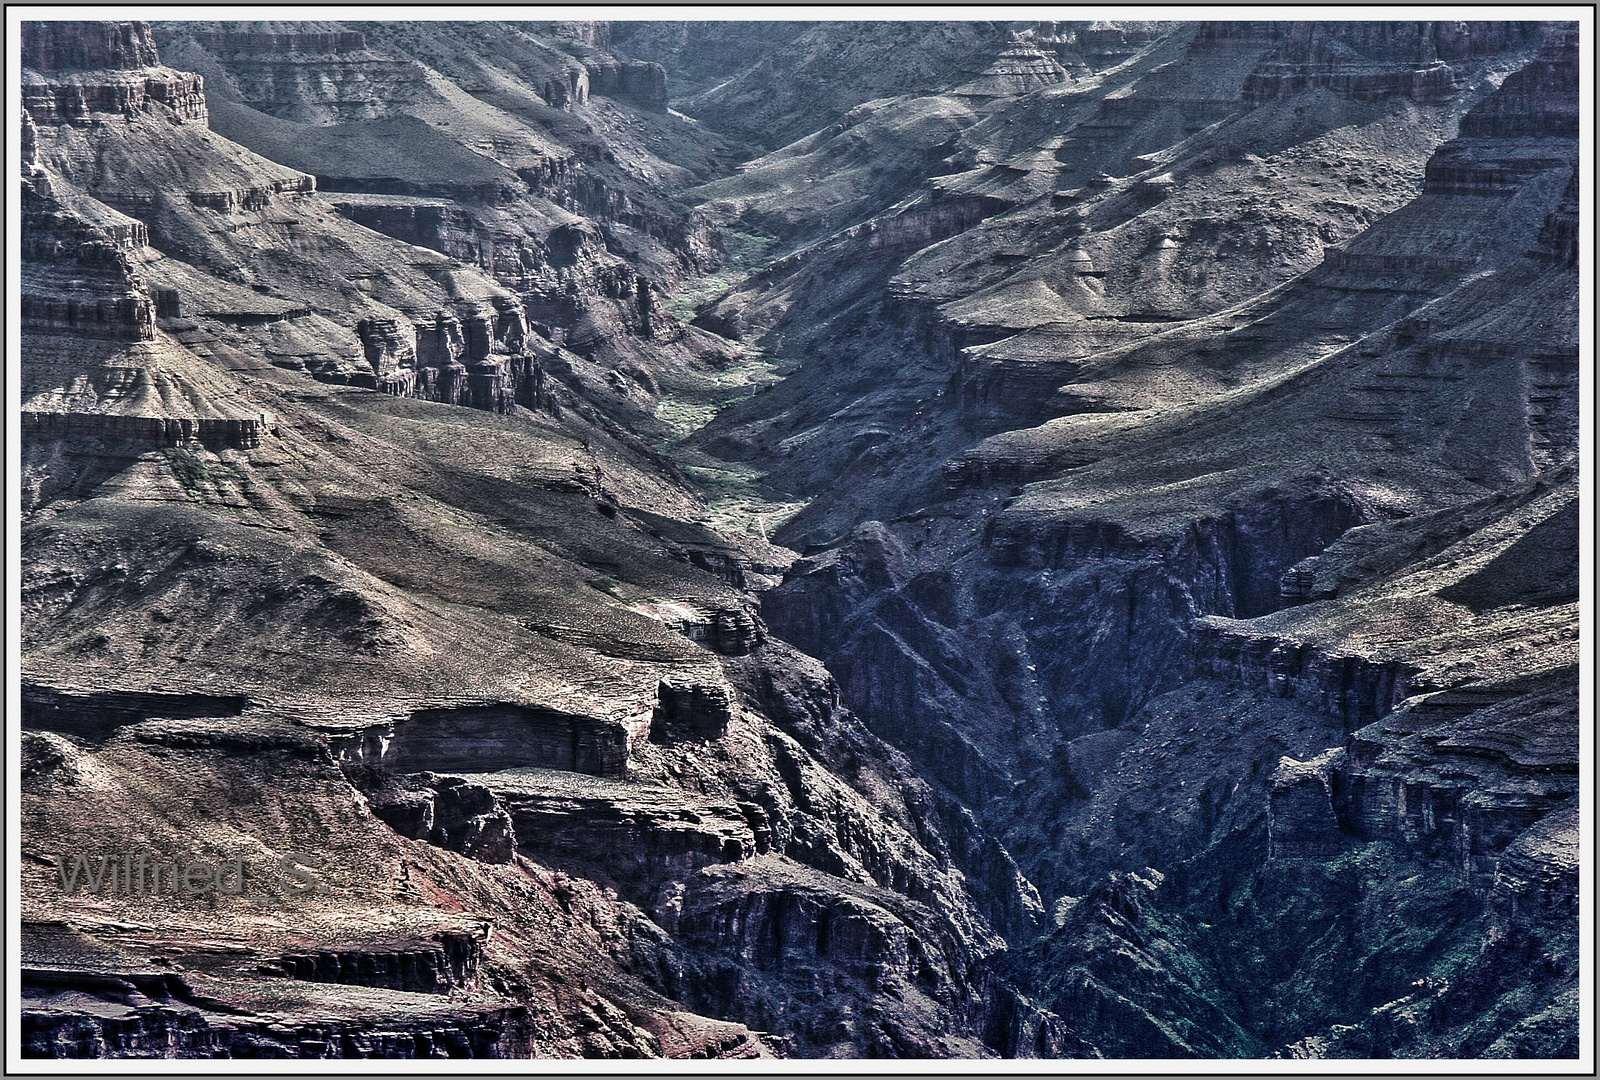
(754, 540)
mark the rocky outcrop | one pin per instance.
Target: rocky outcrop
(1493, 156)
(329, 41)
(75, 69)
(1536, 101)
(128, 318)
(637, 835)
(95, 715)
(1105, 44)
(52, 1032)
(432, 967)
(1536, 874)
(691, 710)
(1356, 689)
(83, 280)
(1460, 774)
(452, 358)
(147, 431)
(434, 223)
(74, 97)
(243, 199)
(1277, 80)
(1518, 900)
(1559, 238)
(325, 72)
(346, 969)
(735, 631)
(1369, 62)
(1022, 66)
(456, 345)
(391, 348)
(772, 943)
(568, 278)
(580, 66)
(469, 738)
(71, 45)
(446, 811)
(81, 275)
(1301, 823)
(638, 82)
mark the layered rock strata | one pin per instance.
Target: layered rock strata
(1191, 536)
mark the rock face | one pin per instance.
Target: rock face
(769, 942)
(1022, 66)
(1173, 430)
(510, 736)
(693, 710)
(1367, 62)
(639, 836)
(188, 1033)
(447, 811)
(1534, 100)
(433, 967)
(1061, 639)
(107, 67)
(84, 278)
(546, 207)
(589, 609)
(79, 46)
(67, 99)
(638, 82)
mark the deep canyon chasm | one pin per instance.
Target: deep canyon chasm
(800, 539)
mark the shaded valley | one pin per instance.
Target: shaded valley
(752, 540)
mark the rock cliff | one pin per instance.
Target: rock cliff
(1173, 428)
(1063, 640)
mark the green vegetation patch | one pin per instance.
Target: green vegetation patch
(200, 475)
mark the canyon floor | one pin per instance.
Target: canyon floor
(800, 540)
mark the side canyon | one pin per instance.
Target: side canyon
(800, 539)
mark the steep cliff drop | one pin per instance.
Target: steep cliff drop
(799, 539)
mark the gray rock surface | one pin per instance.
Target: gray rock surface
(970, 540)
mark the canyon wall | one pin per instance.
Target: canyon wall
(1037, 539)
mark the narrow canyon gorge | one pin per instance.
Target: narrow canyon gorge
(778, 539)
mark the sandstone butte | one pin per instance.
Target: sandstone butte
(782, 539)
